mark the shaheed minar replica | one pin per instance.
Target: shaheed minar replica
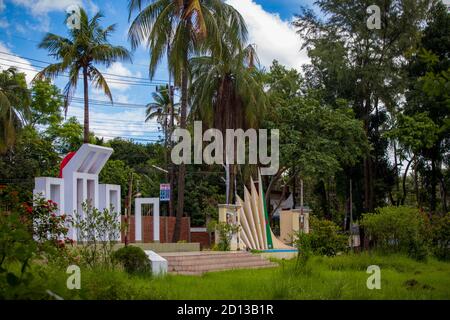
(78, 183)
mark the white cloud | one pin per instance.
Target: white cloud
(126, 123)
(2, 5)
(275, 38)
(118, 69)
(23, 65)
(42, 7)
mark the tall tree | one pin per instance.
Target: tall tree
(80, 54)
(227, 93)
(180, 28)
(14, 102)
(364, 66)
(161, 110)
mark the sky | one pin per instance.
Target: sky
(23, 23)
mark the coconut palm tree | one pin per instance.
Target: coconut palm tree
(161, 110)
(14, 102)
(181, 28)
(80, 54)
(226, 93)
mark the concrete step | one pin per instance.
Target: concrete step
(219, 265)
(190, 262)
(196, 263)
(199, 273)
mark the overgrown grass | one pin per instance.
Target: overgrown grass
(342, 277)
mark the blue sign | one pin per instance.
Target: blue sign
(164, 192)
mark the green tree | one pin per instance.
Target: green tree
(367, 68)
(161, 110)
(181, 28)
(84, 49)
(316, 140)
(227, 93)
(46, 103)
(14, 103)
(66, 136)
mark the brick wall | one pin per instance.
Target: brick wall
(147, 229)
(202, 238)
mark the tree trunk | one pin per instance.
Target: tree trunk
(182, 167)
(86, 105)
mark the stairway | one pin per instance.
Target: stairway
(197, 263)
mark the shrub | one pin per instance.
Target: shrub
(225, 232)
(133, 259)
(440, 236)
(325, 238)
(303, 244)
(98, 231)
(398, 229)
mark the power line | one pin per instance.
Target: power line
(63, 74)
(36, 41)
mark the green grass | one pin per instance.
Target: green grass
(342, 277)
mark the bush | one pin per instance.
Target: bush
(324, 238)
(98, 231)
(133, 259)
(440, 236)
(398, 229)
(225, 232)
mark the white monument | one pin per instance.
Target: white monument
(79, 183)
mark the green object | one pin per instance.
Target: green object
(266, 218)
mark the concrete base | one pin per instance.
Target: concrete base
(159, 265)
(287, 255)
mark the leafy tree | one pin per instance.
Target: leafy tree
(365, 67)
(180, 28)
(14, 103)
(161, 110)
(66, 136)
(227, 93)
(428, 95)
(33, 156)
(85, 48)
(315, 140)
(46, 103)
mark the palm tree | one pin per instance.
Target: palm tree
(14, 102)
(85, 48)
(226, 93)
(182, 28)
(161, 110)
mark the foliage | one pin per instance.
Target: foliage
(399, 229)
(440, 236)
(32, 156)
(98, 231)
(80, 53)
(324, 238)
(14, 106)
(16, 246)
(133, 259)
(341, 277)
(303, 244)
(46, 103)
(225, 232)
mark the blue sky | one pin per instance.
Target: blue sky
(23, 23)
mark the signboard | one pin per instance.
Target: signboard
(164, 192)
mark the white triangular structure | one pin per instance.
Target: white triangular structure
(254, 229)
(79, 183)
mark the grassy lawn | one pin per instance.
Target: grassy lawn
(342, 277)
